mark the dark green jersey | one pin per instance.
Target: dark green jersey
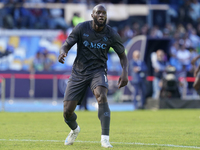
(92, 47)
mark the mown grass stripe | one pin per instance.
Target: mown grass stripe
(131, 143)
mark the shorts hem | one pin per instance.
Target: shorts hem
(69, 100)
(92, 88)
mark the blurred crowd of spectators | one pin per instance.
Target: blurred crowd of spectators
(15, 15)
(80, 1)
(183, 30)
(185, 43)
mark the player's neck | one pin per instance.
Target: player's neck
(96, 27)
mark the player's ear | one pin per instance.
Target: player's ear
(92, 15)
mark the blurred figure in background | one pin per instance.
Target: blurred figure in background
(184, 58)
(184, 55)
(127, 33)
(77, 19)
(57, 20)
(194, 38)
(173, 60)
(38, 62)
(42, 61)
(159, 65)
(47, 61)
(8, 12)
(62, 36)
(155, 32)
(145, 30)
(194, 11)
(138, 73)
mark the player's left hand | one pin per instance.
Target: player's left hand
(123, 80)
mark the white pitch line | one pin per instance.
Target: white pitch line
(123, 143)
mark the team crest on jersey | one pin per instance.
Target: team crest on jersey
(105, 39)
(86, 43)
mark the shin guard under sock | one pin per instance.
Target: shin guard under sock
(71, 122)
(104, 117)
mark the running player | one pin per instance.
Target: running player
(93, 38)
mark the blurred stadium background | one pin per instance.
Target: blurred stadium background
(32, 31)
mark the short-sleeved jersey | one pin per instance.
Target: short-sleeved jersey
(92, 47)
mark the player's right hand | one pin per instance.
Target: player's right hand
(61, 58)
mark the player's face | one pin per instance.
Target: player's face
(100, 16)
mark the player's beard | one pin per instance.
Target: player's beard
(99, 24)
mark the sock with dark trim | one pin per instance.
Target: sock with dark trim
(104, 117)
(71, 122)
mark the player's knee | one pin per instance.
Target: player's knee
(102, 98)
(101, 94)
(67, 114)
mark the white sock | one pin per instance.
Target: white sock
(105, 137)
(76, 128)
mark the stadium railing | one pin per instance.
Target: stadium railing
(45, 85)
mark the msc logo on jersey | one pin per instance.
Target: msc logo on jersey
(94, 45)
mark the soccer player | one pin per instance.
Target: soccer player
(93, 38)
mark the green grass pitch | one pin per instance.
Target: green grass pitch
(138, 130)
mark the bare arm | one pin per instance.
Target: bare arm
(195, 59)
(123, 80)
(196, 71)
(63, 52)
